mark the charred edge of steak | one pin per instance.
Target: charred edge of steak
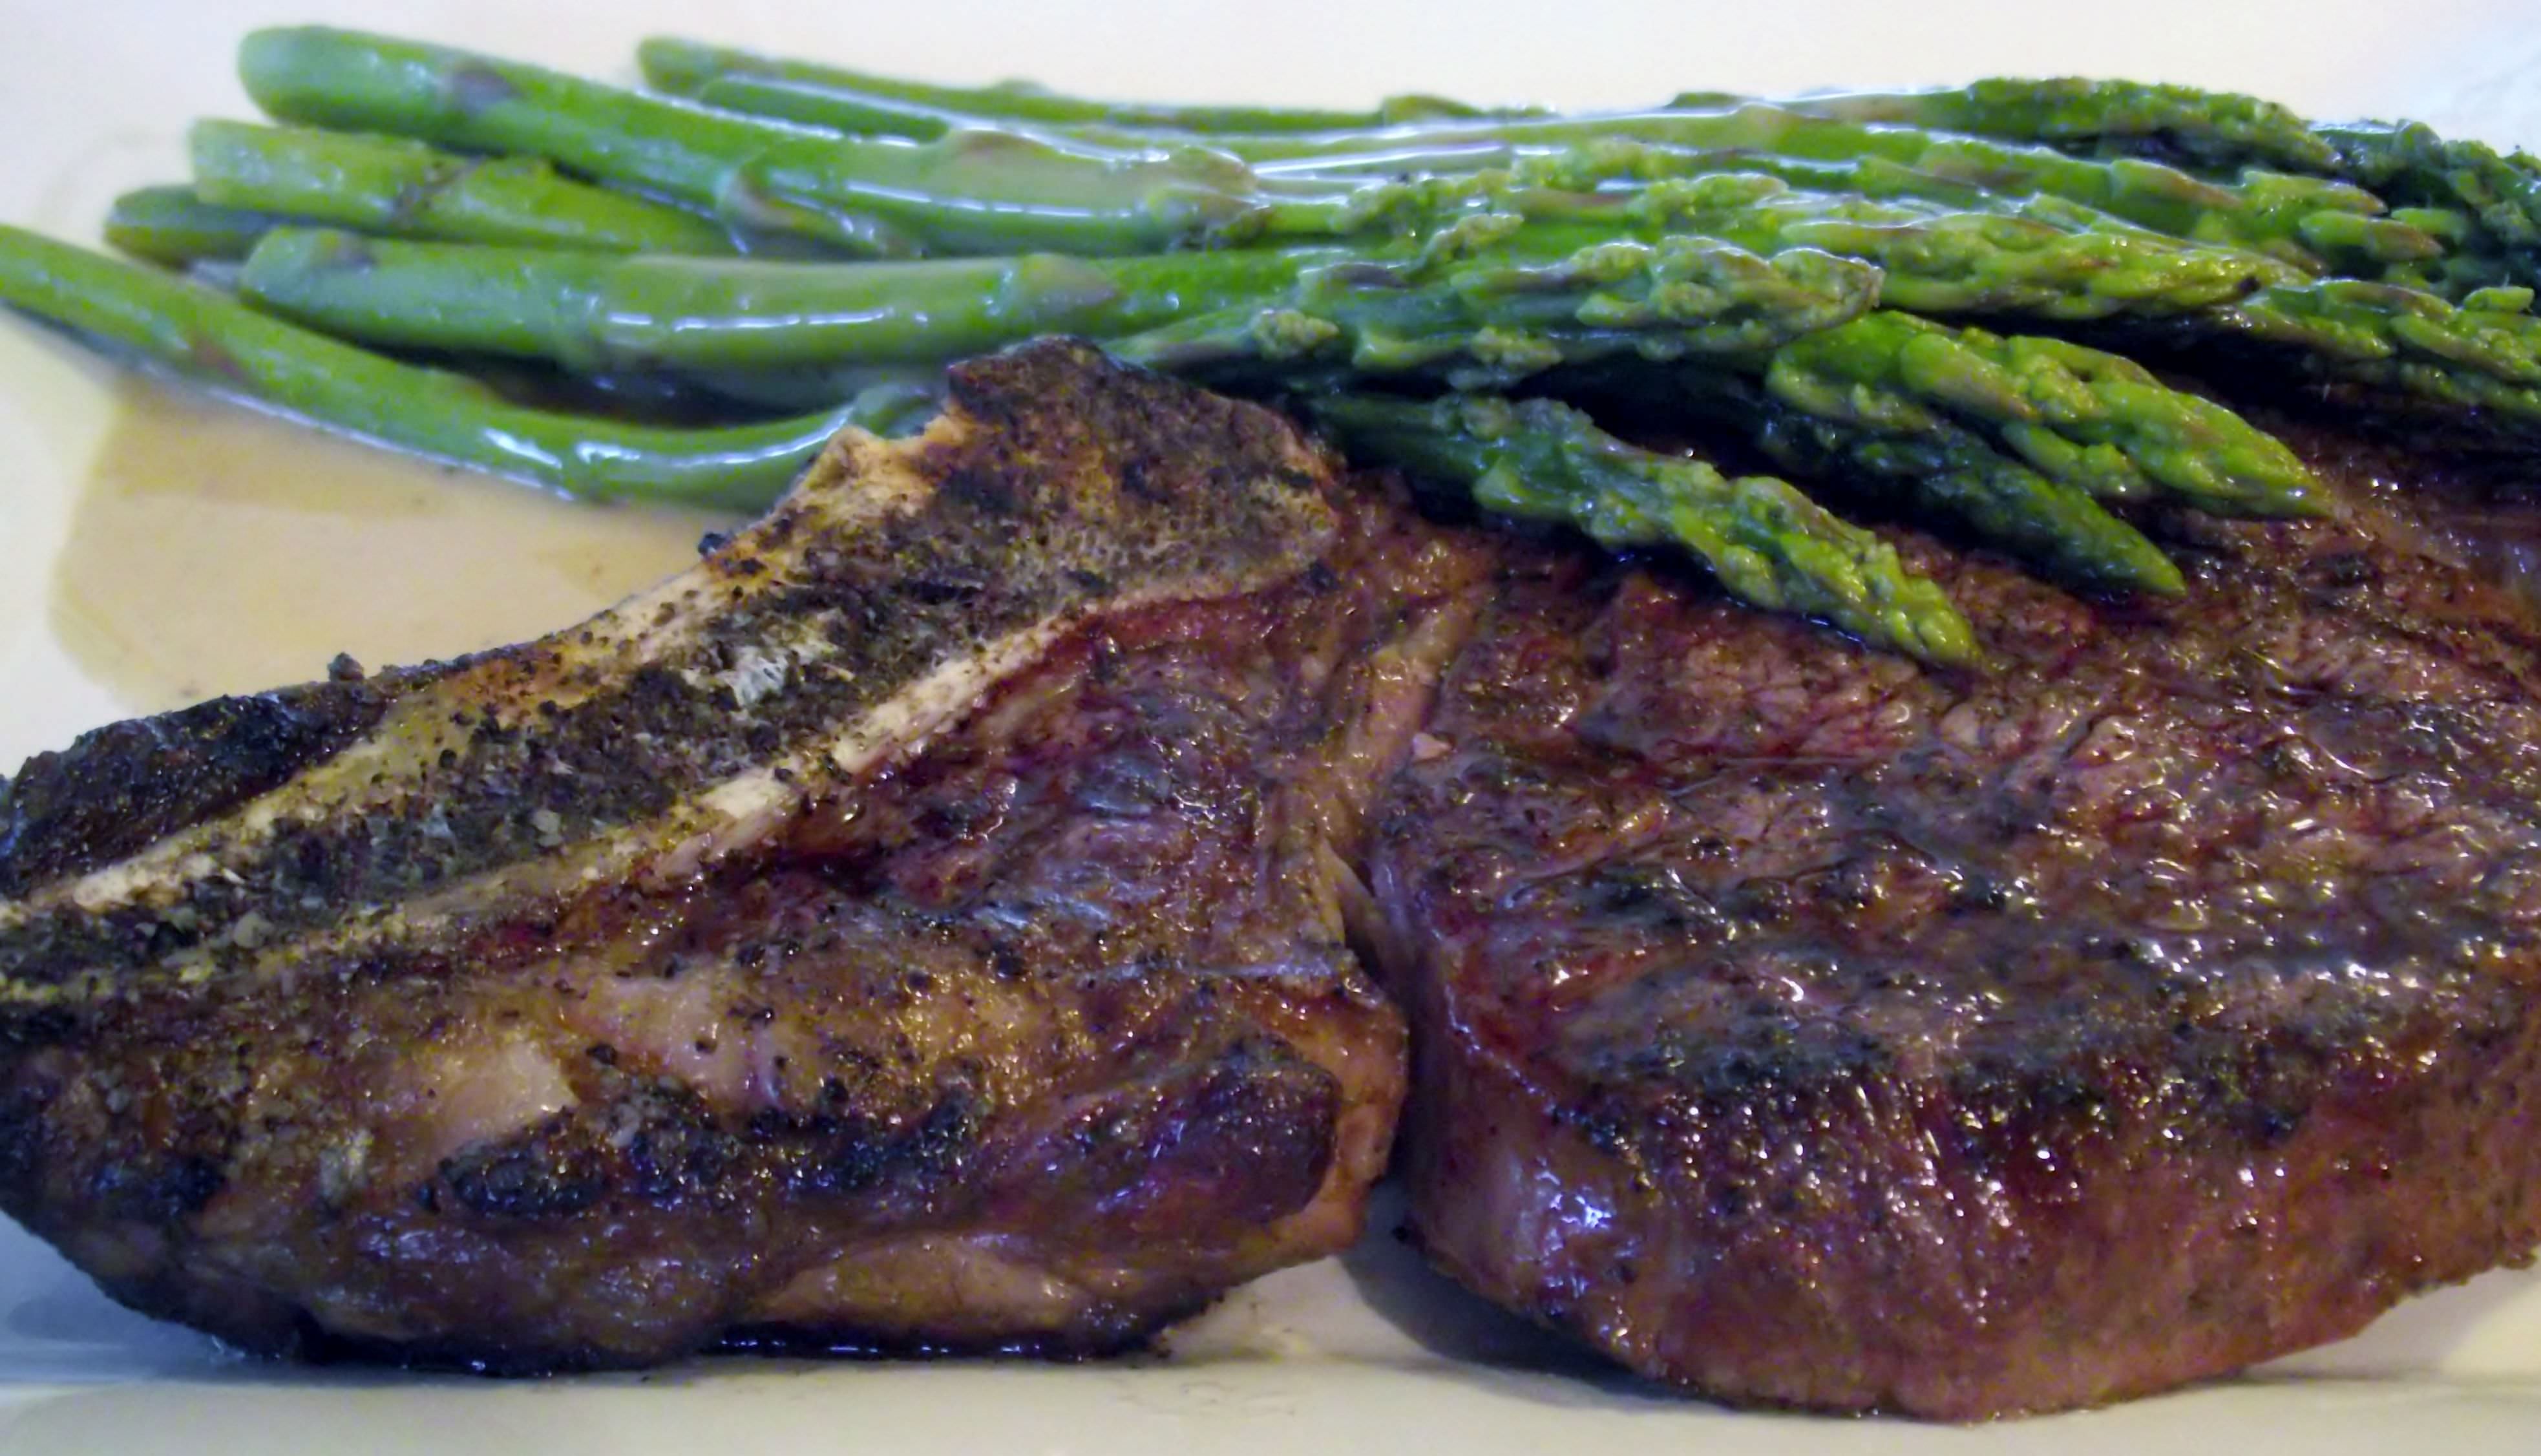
(1066, 398)
(1214, 1143)
(125, 785)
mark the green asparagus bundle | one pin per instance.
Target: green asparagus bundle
(1114, 190)
(2313, 222)
(591, 311)
(2485, 203)
(1802, 272)
(2456, 189)
(1489, 315)
(1770, 545)
(876, 198)
(2213, 129)
(1501, 312)
(1949, 472)
(2096, 421)
(2094, 424)
(1930, 259)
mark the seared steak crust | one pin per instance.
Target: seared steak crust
(1807, 1028)
(920, 927)
(926, 926)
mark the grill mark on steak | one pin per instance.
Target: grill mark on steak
(1807, 1028)
(1011, 1007)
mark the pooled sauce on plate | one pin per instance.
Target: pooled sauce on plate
(217, 549)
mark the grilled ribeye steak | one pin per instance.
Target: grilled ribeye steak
(1807, 1028)
(919, 926)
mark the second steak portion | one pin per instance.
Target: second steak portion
(1808, 1029)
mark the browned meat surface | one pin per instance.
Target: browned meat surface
(921, 927)
(926, 926)
(1807, 1029)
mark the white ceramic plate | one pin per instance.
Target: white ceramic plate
(1365, 1352)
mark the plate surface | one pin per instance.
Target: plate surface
(1367, 1351)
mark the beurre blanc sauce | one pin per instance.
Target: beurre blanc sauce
(217, 549)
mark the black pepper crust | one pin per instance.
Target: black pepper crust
(1061, 482)
(119, 787)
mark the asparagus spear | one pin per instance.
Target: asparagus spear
(1003, 192)
(2032, 265)
(2407, 164)
(173, 225)
(2211, 127)
(2093, 420)
(1950, 471)
(591, 311)
(2312, 222)
(393, 186)
(1770, 545)
(971, 191)
(2487, 203)
(783, 99)
(689, 68)
(1492, 316)
(213, 341)
(2483, 355)
(1977, 254)
(1514, 304)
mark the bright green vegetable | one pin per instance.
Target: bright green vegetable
(2094, 421)
(216, 341)
(1513, 306)
(1802, 271)
(591, 311)
(173, 226)
(693, 69)
(406, 189)
(2485, 203)
(2209, 127)
(1770, 545)
(977, 191)
(1949, 471)
(2314, 223)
